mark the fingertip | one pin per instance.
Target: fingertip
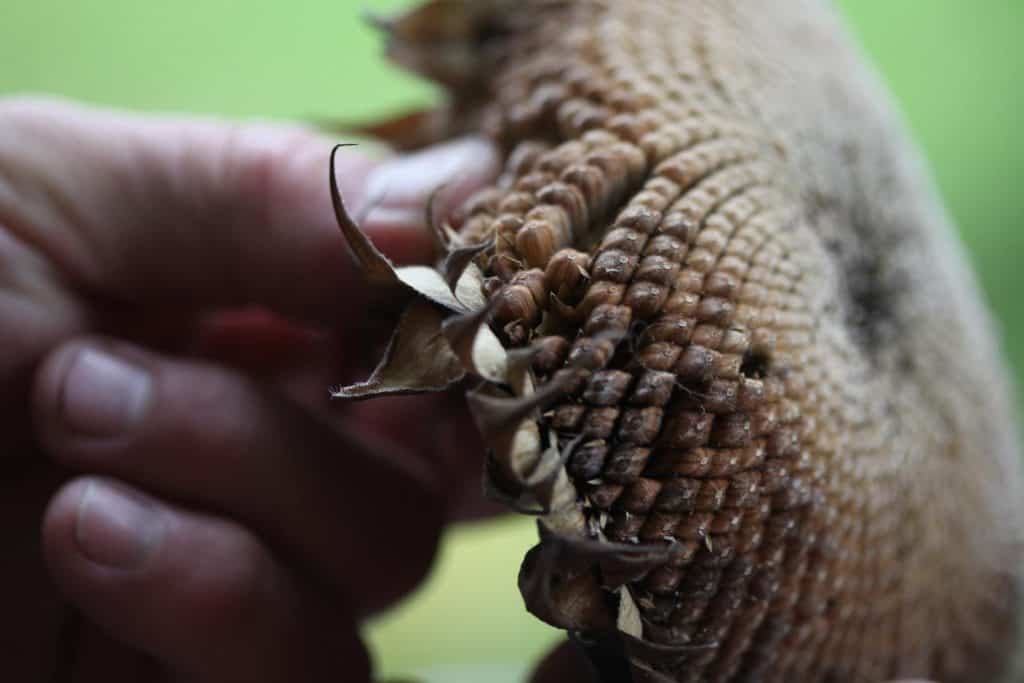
(89, 395)
(58, 524)
(94, 527)
(201, 594)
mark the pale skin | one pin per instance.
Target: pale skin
(181, 481)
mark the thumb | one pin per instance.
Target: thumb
(194, 213)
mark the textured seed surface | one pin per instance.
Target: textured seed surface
(775, 366)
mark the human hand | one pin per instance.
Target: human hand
(211, 522)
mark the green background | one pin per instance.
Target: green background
(954, 66)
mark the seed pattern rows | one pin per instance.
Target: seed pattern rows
(648, 245)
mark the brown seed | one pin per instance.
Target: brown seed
(614, 266)
(626, 464)
(484, 201)
(678, 494)
(599, 423)
(715, 310)
(687, 429)
(624, 527)
(721, 396)
(551, 354)
(657, 269)
(681, 554)
(531, 183)
(591, 182)
(537, 241)
(707, 335)
(568, 418)
(680, 226)
(600, 293)
(694, 526)
(566, 274)
(721, 284)
(654, 388)
(640, 495)
(572, 380)
(639, 218)
(607, 387)
(659, 526)
(646, 299)
(666, 246)
(696, 364)
(711, 495)
(671, 328)
(524, 157)
(640, 425)
(571, 200)
(663, 580)
(590, 353)
(604, 496)
(659, 356)
(626, 240)
(558, 158)
(588, 460)
(751, 394)
(731, 431)
(608, 320)
(516, 203)
(515, 303)
(533, 280)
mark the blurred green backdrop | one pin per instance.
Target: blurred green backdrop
(955, 68)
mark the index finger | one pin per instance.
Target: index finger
(199, 213)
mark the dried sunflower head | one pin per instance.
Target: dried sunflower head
(718, 340)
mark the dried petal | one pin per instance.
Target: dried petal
(477, 347)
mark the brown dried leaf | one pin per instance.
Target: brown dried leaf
(417, 359)
(565, 595)
(378, 270)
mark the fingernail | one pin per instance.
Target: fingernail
(103, 395)
(116, 529)
(406, 182)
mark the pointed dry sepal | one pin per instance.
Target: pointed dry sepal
(417, 360)
(565, 555)
(458, 259)
(508, 425)
(559, 586)
(543, 491)
(378, 270)
(564, 594)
